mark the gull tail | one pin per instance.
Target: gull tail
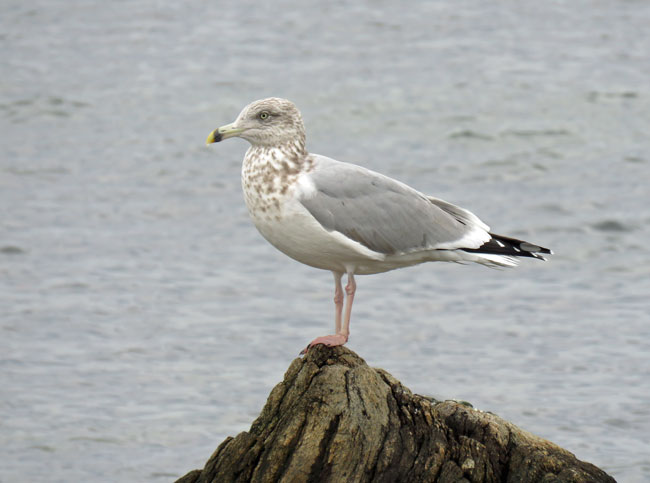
(503, 251)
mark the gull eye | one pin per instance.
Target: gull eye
(263, 115)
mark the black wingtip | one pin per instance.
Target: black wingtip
(511, 247)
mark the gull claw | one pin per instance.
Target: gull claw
(328, 340)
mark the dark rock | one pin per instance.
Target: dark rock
(335, 419)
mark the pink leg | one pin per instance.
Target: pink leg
(338, 301)
(342, 333)
(350, 290)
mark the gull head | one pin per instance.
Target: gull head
(271, 122)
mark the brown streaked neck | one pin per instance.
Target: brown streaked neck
(290, 155)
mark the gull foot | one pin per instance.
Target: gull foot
(328, 340)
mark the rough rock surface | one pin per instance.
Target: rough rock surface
(335, 419)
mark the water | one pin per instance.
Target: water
(143, 319)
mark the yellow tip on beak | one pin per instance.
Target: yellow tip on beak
(224, 132)
(210, 139)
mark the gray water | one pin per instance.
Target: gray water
(142, 317)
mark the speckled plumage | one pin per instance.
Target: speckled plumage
(268, 173)
(345, 218)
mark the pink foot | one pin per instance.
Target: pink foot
(328, 340)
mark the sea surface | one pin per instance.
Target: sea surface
(142, 317)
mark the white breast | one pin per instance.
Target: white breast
(287, 225)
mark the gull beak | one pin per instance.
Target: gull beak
(224, 132)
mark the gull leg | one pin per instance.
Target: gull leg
(338, 301)
(342, 329)
(350, 290)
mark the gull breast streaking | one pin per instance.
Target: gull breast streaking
(345, 218)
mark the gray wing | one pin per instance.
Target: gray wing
(385, 215)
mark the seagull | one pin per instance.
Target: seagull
(348, 219)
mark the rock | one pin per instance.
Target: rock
(335, 419)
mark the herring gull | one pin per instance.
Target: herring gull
(345, 218)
